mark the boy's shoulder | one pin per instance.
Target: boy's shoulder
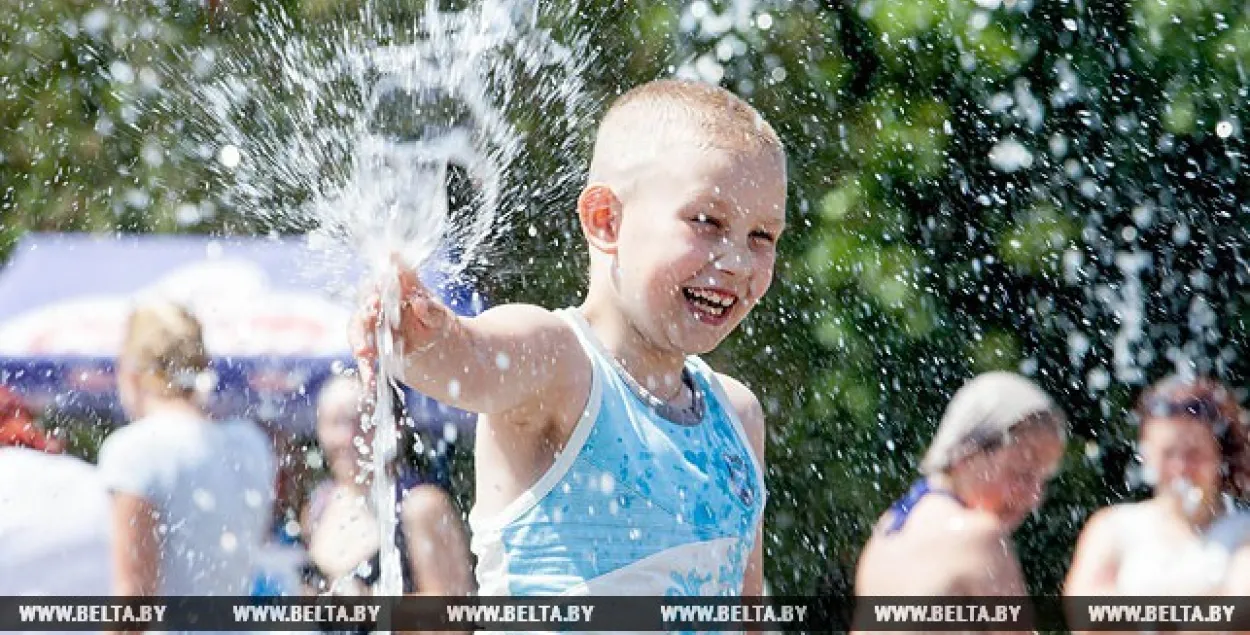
(524, 314)
(540, 349)
(537, 325)
(747, 406)
(740, 396)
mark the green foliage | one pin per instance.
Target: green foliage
(85, 140)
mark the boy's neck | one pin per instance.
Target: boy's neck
(657, 369)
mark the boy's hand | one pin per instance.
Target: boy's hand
(416, 318)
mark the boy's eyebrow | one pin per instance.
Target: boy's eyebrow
(775, 223)
(712, 201)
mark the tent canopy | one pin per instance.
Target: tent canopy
(275, 315)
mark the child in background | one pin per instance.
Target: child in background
(610, 459)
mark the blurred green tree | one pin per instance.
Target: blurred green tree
(85, 138)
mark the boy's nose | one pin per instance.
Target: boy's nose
(730, 259)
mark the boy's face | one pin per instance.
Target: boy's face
(698, 242)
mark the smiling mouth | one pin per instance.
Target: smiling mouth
(710, 301)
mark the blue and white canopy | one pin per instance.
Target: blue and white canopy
(275, 314)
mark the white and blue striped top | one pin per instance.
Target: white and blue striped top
(635, 504)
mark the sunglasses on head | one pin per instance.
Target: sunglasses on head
(1204, 408)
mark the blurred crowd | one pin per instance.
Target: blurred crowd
(181, 504)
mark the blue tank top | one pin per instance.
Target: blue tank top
(635, 504)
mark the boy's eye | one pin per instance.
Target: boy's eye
(764, 236)
(704, 219)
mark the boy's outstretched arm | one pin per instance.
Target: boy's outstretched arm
(488, 364)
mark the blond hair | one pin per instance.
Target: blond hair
(164, 343)
(652, 119)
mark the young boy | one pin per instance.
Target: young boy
(610, 459)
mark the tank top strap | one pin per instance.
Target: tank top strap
(903, 507)
(704, 374)
(585, 336)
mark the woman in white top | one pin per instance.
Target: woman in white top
(1182, 540)
(191, 497)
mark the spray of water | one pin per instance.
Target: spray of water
(381, 141)
(1130, 309)
(1190, 495)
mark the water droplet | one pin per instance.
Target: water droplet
(95, 22)
(1099, 379)
(229, 156)
(1092, 451)
(204, 499)
(502, 361)
(121, 72)
(1223, 129)
(1009, 155)
(187, 214)
(229, 542)
(253, 498)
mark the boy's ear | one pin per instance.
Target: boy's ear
(600, 212)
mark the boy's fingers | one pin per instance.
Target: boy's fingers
(431, 314)
(366, 377)
(363, 325)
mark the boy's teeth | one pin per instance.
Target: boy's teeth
(710, 301)
(723, 300)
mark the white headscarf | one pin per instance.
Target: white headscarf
(983, 412)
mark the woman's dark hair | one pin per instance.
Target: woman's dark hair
(1211, 403)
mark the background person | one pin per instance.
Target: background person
(54, 513)
(341, 519)
(1000, 441)
(191, 497)
(1182, 540)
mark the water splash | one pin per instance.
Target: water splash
(379, 140)
(1130, 308)
(1190, 496)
